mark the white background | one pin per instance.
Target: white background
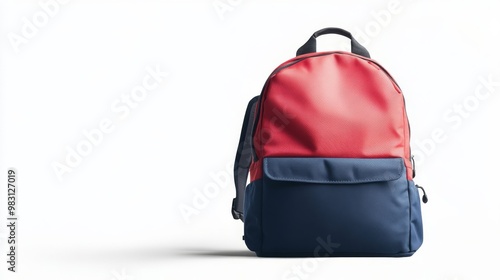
(117, 214)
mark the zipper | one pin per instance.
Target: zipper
(413, 165)
(424, 197)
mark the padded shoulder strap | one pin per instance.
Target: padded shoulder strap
(243, 159)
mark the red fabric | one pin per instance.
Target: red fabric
(335, 105)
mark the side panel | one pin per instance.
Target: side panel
(416, 234)
(252, 216)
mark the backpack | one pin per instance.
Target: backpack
(327, 146)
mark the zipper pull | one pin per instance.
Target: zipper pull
(424, 198)
(413, 166)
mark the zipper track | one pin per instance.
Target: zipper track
(294, 61)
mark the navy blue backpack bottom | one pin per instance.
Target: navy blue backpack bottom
(333, 207)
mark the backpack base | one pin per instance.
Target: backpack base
(334, 255)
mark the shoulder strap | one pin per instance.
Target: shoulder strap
(243, 159)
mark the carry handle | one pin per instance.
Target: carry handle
(310, 45)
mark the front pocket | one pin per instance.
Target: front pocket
(335, 207)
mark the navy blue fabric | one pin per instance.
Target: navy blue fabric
(333, 170)
(252, 216)
(332, 207)
(416, 234)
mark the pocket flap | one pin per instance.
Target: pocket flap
(333, 170)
